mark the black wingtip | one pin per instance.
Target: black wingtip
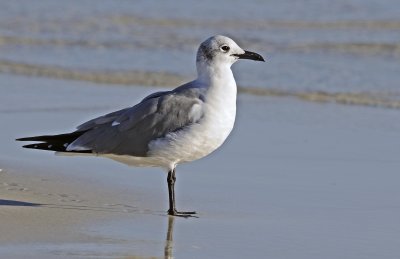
(53, 142)
(22, 139)
(53, 147)
(45, 146)
(37, 138)
(34, 146)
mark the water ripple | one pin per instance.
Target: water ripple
(163, 79)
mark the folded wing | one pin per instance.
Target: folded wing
(129, 131)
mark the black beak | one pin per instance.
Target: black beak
(250, 55)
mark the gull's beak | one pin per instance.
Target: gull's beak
(250, 55)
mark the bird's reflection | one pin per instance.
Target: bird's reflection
(169, 241)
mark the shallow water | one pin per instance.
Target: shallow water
(341, 47)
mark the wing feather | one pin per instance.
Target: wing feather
(129, 131)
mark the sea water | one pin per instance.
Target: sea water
(342, 51)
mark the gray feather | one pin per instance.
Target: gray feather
(129, 131)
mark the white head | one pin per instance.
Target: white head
(222, 51)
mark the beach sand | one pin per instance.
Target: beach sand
(294, 180)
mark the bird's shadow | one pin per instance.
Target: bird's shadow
(117, 208)
(18, 203)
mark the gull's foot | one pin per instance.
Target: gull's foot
(184, 214)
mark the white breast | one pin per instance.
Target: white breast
(200, 139)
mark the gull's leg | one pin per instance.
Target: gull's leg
(171, 195)
(171, 192)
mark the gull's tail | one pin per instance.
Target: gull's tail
(58, 143)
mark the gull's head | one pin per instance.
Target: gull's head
(221, 50)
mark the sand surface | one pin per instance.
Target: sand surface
(294, 180)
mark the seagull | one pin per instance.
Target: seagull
(166, 128)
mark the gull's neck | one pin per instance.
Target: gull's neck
(220, 101)
(215, 75)
(221, 87)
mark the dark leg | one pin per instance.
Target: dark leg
(171, 194)
(171, 191)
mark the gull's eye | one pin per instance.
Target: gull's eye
(225, 48)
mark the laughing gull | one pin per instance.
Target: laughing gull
(166, 128)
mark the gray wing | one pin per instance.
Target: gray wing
(113, 116)
(129, 131)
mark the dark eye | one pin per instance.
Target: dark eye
(225, 48)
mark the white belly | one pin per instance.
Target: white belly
(197, 140)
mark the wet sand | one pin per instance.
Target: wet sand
(294, 180)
